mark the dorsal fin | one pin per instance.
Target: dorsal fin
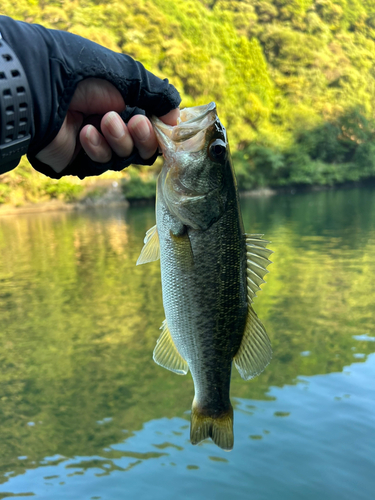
(255, 350)
(166, 353)
(151, 248)
(257, 261)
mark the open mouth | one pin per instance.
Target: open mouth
(198, 113)
(189, 133)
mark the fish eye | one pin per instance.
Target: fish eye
(217, 150)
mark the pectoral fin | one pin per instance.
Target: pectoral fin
(255, 350)
(166, 353)
(182, 249)
(257, 262)
(151, 248)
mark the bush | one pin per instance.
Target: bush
(257, 166)
(63, 190)
(331, 153)
(139, 186)
(5, 191)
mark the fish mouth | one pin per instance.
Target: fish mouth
(196, 114)
(190, 132)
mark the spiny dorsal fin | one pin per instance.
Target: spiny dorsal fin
(255, 350)
(166, 353)
(151, 248)
(257, 261)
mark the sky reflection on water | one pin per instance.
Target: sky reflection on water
(312, 440)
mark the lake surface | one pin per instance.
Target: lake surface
(86, 414)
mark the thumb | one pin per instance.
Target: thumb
(64, 147)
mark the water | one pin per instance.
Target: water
(84, 411)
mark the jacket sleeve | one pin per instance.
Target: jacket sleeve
(55, 62)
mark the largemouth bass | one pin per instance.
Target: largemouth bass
(210, 270)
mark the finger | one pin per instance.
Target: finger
(96, 96)
(143, 136)
(95, 145)
(117, 135)
(61, 150)
(171, 117)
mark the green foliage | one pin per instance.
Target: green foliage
(63, 189)
(4, 192)
(25, 185)
(137, 186)
(257, 166)
(330, 153)
(282, 72)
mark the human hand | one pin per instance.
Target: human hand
(78, 91)
(95, 106)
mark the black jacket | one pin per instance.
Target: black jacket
(55, 62)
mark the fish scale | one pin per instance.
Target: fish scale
(210, 270)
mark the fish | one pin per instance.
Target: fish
(210, 268)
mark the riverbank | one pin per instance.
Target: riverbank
(108, 194)
(110, 198)
(57, 206)
(111, 195)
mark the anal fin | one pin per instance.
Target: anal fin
(255, 350)
(151, 248)
(166, 353)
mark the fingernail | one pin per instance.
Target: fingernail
(171, 118)
(141, 128)
(92, 136)
(115, 125)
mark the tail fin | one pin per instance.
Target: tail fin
(220, 429)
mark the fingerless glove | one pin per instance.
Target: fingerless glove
(54, 63)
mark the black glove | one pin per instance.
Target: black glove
(55, 62)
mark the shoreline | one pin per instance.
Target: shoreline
(108, 202)
(57, 206)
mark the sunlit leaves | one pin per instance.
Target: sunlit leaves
(276, 68)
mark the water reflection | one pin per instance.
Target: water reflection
(79, 322)
(310, 451)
